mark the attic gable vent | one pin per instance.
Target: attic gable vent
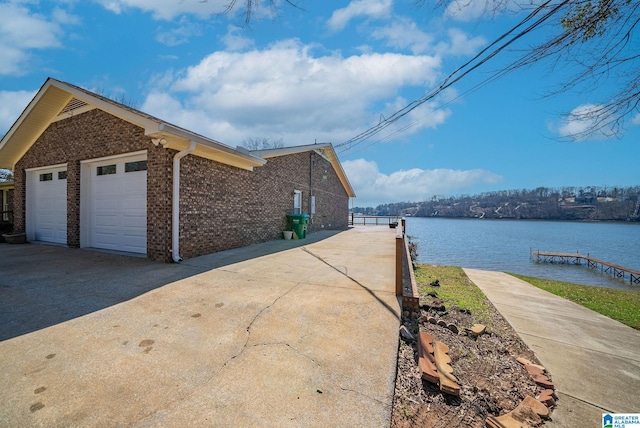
(74, 104)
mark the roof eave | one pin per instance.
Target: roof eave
(330, 154)
(208, 148)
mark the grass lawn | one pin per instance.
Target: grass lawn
(455, 289)
(620, 305)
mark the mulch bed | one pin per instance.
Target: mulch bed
(492, 381)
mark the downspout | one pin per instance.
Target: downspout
(311, 186)
(175, 210)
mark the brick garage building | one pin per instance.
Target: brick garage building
(90, 172)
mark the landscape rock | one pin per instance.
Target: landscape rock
(525, 362)
(548, 397)
(529, 413)
(436, 305)
(478, 329)
(543, 381)
(435, 283)
(453, 328)
(534, 370)
(405, 333)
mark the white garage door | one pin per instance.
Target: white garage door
(48, 205)
(118, 198)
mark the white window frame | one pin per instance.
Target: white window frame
(297, 201)
(5, 204)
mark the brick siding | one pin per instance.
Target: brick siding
(92, 135)
(222, 207)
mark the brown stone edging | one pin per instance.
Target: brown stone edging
(433, 361)
(530, 411)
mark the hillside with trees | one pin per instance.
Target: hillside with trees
(544, 203)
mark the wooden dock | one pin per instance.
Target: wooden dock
(616, 271)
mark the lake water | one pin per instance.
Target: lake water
(503, 245)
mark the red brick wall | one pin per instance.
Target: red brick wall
(91, 135)
(222, 207)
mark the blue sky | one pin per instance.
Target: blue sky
(324, 74)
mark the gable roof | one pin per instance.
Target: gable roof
(57, 100)
(324, 149)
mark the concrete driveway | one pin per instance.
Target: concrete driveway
(305, 336)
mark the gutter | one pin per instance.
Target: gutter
(175, 209)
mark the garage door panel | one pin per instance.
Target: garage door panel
(48, 196)
(119, 208)
(135, 224)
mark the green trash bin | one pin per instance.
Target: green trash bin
(299, 225)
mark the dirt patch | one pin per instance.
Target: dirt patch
(492, 381)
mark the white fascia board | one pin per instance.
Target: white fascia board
(190, 136)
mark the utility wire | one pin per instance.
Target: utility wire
(478, 60)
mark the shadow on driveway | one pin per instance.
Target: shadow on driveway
(43, 285)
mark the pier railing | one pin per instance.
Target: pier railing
(615, 270)
(378, 220)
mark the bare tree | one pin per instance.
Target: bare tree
(599, 38)
(262, 143)
(250, 5)
(6, 175)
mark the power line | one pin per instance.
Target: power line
(478, 60)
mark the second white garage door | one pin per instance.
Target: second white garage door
(47, 205)
(118, 204)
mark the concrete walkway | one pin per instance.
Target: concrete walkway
(305, 336)
(594, 361)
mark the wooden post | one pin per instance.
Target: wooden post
(399, 248)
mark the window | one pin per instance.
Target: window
(297, 202)
(46, 177)
(135, 166)
(106, 169)
(5, 204)
(62, 175)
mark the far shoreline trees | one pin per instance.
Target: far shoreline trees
(591, 203)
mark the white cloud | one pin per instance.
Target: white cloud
(368, 8)
(636, 119)
(235, 41)
(373, 187)
(582, 123)
(405, 34)
(22, 31)
(461, 44)
(286, 92)
(12, 103)
(180, 34)
(428, 115)
(169, 9)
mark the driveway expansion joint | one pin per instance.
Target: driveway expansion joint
(578, 347)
